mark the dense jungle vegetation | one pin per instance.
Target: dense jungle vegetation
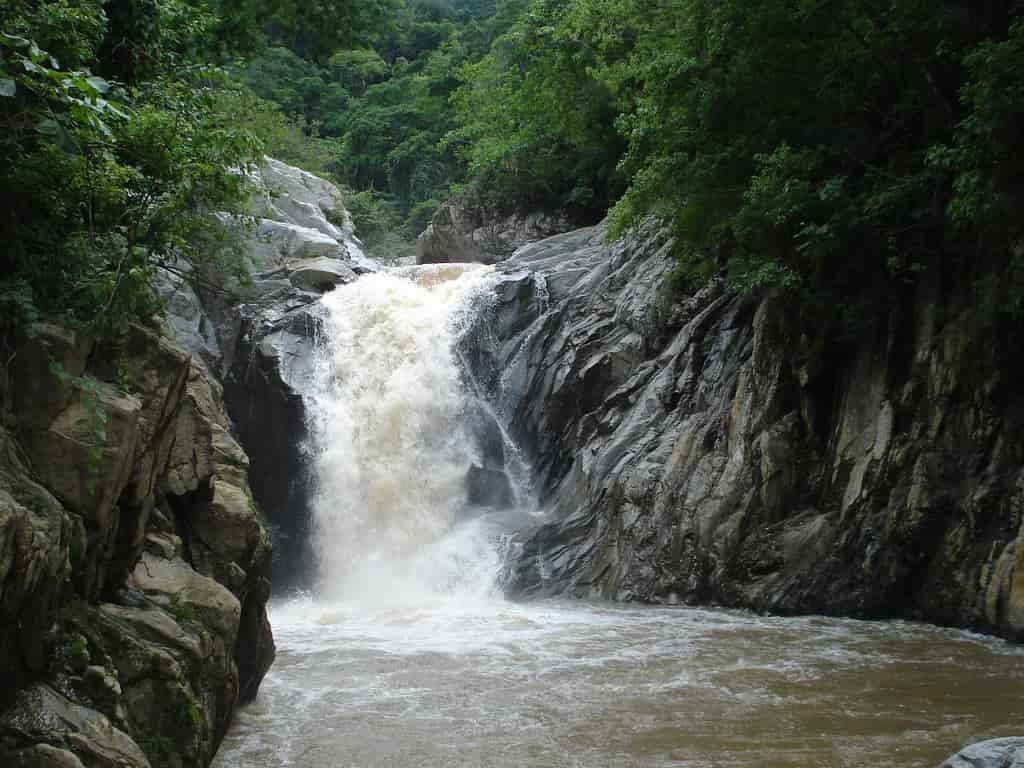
(836, 148)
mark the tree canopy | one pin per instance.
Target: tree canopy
(113, 159)
(832, 148)
(828, 146)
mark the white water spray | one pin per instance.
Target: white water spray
(391, 448)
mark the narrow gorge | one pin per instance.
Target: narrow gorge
(557, 510)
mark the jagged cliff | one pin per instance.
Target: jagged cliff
(702, 447)
(134, 561)
(259, 341)
(464, 229)
(134, 565)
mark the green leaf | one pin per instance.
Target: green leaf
(7, 87)
(59, 135)
(98, 83)
(48, 127)
(13, 41)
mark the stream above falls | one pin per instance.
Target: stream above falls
(405, 653)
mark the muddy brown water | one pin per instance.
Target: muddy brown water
(485, 682)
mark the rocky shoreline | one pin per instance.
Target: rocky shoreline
(696, 447)
(688, 446)
(135, 563)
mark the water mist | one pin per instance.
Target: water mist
(391, 447)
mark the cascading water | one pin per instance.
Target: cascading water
(391, 444)
(405, 657)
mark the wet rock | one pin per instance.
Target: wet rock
(464, 231)
(43, 756)
(276, 243)
(289, 194)
(997, 753)
(321, 275)
(264, 399)
(173, 584)
(260, 346)
(37, 540)
(41, 716)
(702, 444)
(134, 562)
(123, 644)
(488, 487)
(36, 395)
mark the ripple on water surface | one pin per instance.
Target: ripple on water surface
(484, 682)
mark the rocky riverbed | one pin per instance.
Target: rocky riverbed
(630, 438)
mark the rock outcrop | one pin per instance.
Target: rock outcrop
(134, 559)
(134, 567)
(463, 231)
(259, 340)
(996, 753)
(703, 447)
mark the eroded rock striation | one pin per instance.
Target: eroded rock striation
(134, 560)
(703, 447)
(134, 567)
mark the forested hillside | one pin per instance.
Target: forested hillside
(835, 149)
(374, 102)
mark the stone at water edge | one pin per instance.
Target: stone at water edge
(702, 443)
(462, 230)
(996, 753)
(321, 275)
(488, 487)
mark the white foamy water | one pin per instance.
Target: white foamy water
(390, 442)
(405, 656)
(485, 682)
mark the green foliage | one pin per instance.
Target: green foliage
(288, 138)
(156, 745)
(113, 160)
(314, 30)
(89, 396)
(533, 123)
(191, 716)
(383, 96)
(420, 215)
(183, 613)
(358, 68)
(834, 148)
(380, 226)
(76, 650)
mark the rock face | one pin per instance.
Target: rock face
(134, 563)
(997, 753)
(134, 567)
(261, 346)
(461, 231)
(701, 447)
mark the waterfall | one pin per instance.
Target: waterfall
(390, 437)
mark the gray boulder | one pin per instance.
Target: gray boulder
(46, 729)
(259, 341)
(289, 194)
(996, 753)
(463, 231)
(320, 275)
